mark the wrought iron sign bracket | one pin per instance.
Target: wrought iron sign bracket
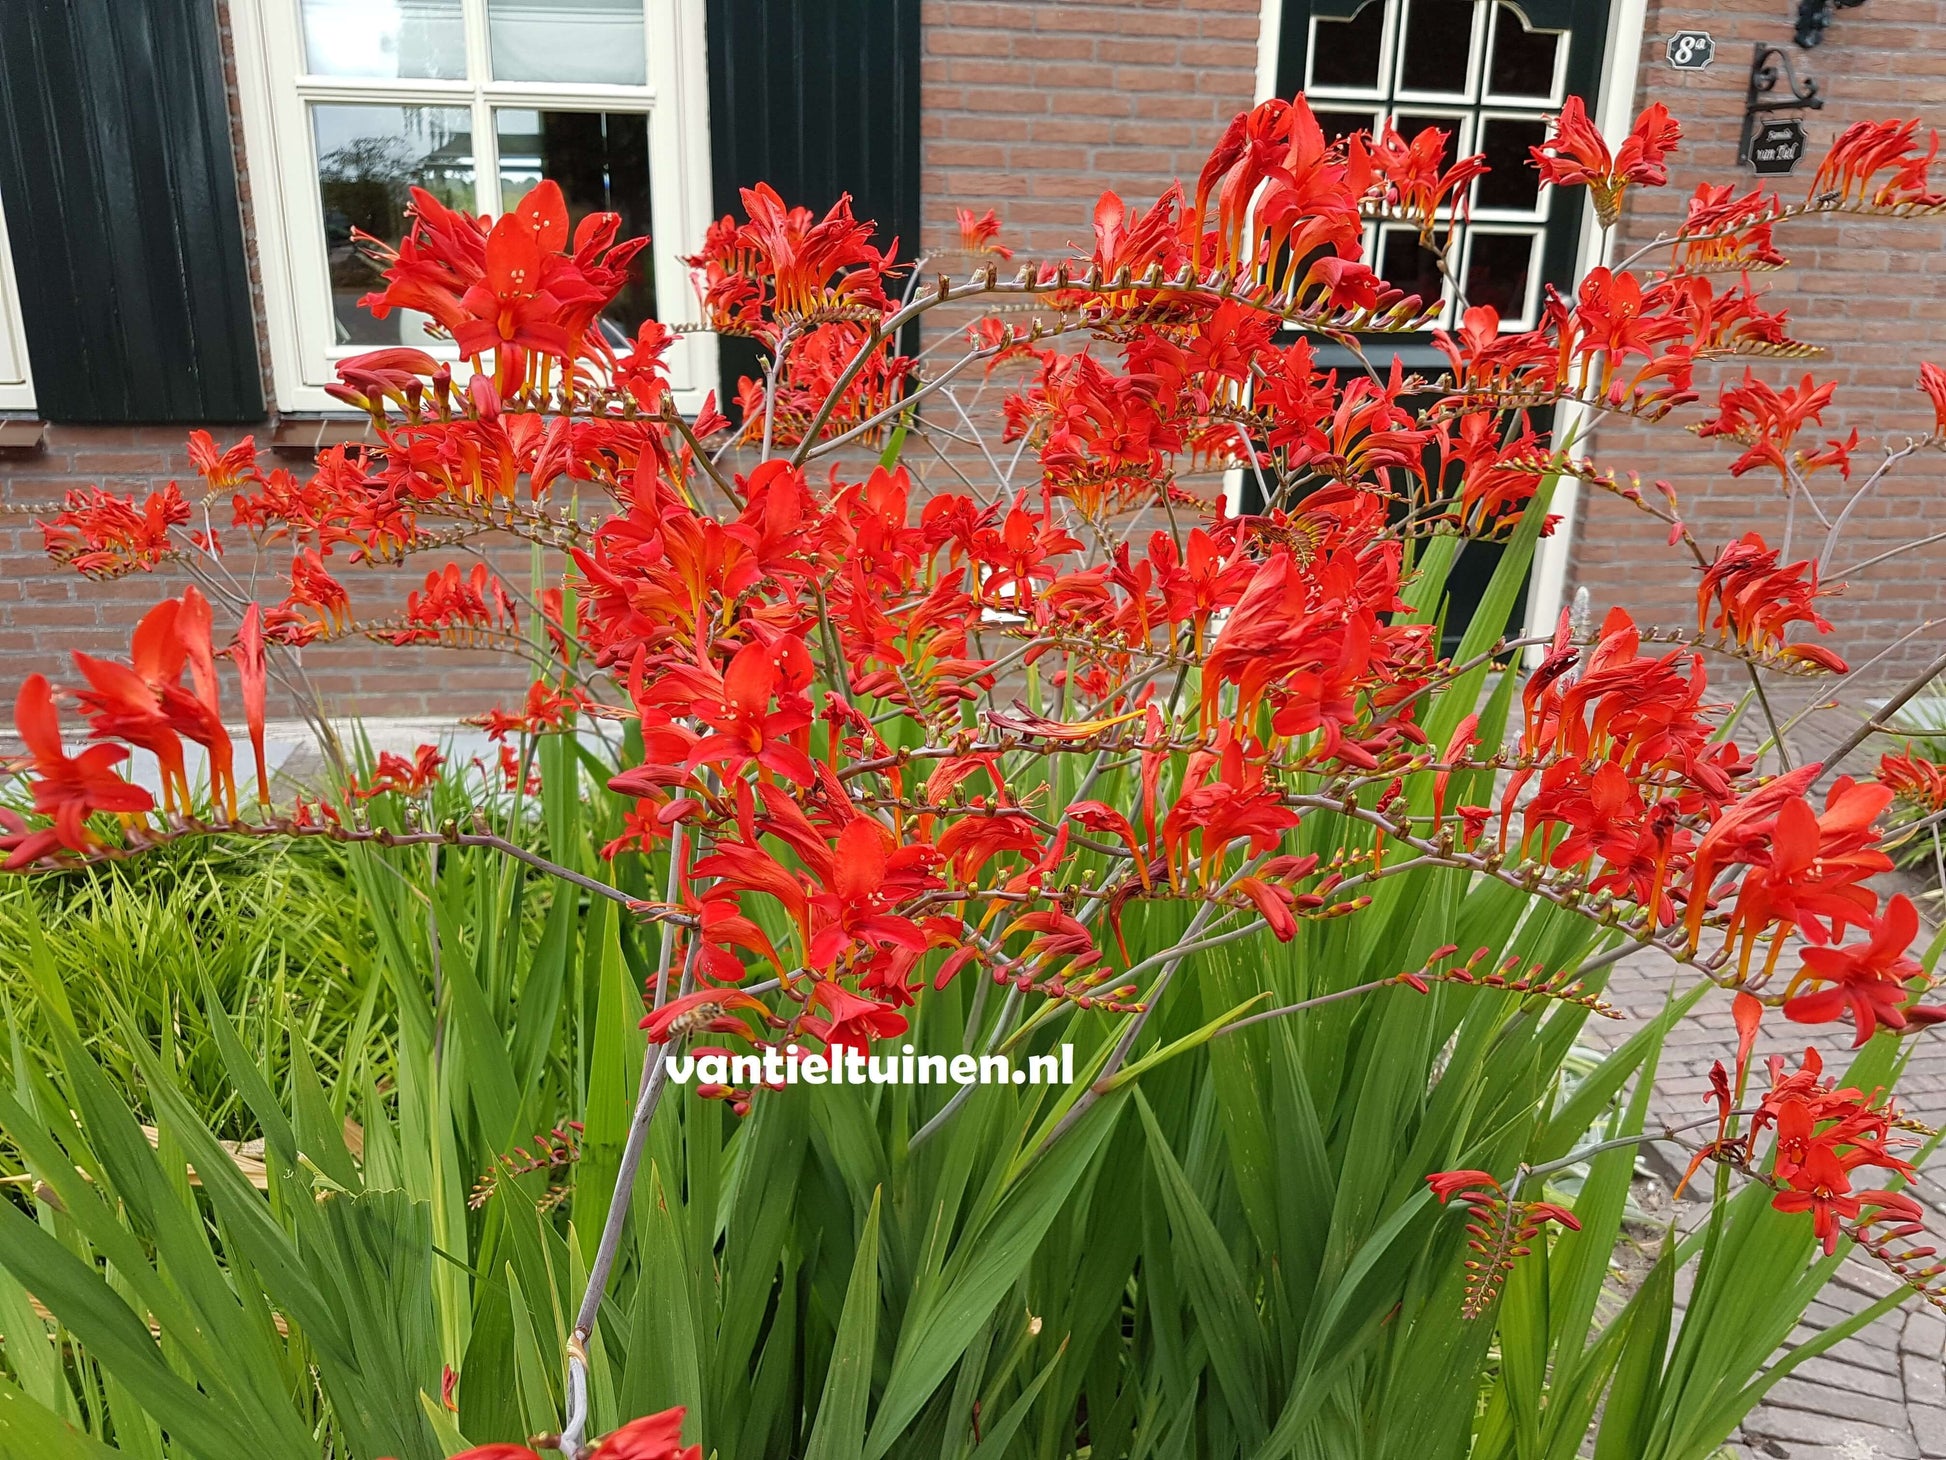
(1769, 66)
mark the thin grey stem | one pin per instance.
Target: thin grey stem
(1877, 725)
(1844, 515)
(1770, 717)
(770, 392)
(655, 1076)
(1322, 999)
(1906, 547)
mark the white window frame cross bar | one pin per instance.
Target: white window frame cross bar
(276, 92)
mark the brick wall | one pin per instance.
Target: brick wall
(47, 611)
(1036, 109)
(1872, 291)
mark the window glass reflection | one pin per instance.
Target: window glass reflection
(411, 39)
(1498, 269)
(369, 160)
(602, 41)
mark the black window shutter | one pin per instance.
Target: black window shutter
(120, 187)
(818, 98)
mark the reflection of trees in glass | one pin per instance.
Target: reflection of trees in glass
(366, 183)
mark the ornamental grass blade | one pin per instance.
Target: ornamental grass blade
(29, 1430)
(1635, 1396)
(1227, 1318)
(985, 1266)
(664, 1358)
(839, 1431)
(1000, 1434)
(24, 1340)
(77, 1295)
(1579, 1261)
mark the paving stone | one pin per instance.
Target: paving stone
(1805, 1396)
(1924, 1379)
(1863, 1370)
(1924, 1333)
(1928, 1428)
(1794, 1427)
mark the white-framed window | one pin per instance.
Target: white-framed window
(1477, 70)
(16, 379)
(348, 103)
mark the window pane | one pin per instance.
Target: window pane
(1336, 124)
(1523, 59)
(569, 40)
(1406, 264)
(601, 161)
(1346, 52)
(369, 158)
(1438, 46)
(409, 38)
(1410, 124)
(1514, 181)
(1497, 270)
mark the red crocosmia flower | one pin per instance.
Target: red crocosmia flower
(980, 836)
(225, 471)
(653, 1437)
(1274, 903)
(1577, 153)
(68, 788)
(1496, 1234)
(1822, 1187)
(1765, 421)
(868, 878)
(407, 777)
(1448, 1184)
(126, 702)
(105, 536)
(522, 290)
(737, 705)
(1812, 873)
(253, 672)
(1865, 149)
(1408, 174)
(314, 587)
(710, 1010)
(1757, 601)
(1867, 979)
(147, 706)
(1932, 380)
(978, 234)
(1748, 1012)
(1098, 816)
(200, 716)
(1918, 782)
(854, 1021)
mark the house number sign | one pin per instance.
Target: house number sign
(1691, 50)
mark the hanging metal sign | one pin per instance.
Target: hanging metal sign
(1777, 148)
